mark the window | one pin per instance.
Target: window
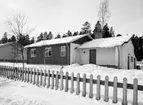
(63, 51)
(48, 52)
(33, 52)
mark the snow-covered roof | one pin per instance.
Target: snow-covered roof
(106, 42)
(56, 41)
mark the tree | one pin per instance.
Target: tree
(40, 37)
(13, 38)
(58, 36)
(75, 33)
(111, 31)
(18, 27)
(86, 29)
(32, 40)
(45, 35)
(97, 32)
(64, 35)
(50, 36)
(106, 33)
(69, 33)
(4, 38)
(104, 12)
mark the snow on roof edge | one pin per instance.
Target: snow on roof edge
(105, 42)
(56, 41)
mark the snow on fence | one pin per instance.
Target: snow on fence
(58, 80)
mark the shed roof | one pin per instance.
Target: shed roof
(56, 41)
(106, 42)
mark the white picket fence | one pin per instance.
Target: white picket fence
(62, 81)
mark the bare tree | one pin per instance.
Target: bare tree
(17, 25)
(104, 12)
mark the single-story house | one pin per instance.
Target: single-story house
(9, 52)
(60, 51)
(115, 52)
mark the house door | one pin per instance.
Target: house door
(92, 56)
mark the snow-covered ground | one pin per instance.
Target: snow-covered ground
(18, 93)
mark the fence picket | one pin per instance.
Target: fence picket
(135, 92)
(57, 81)
(66, 82)
(41, 77)
(124, 101)
(37, 76)
(61, 80)
(106, 95)
(52, 85)
(34, 79)
(44, 84)
(91, 87)
(28, 74)
(84, 86)
(48, 82)
(98, 88)
(115, 98)
(31, 78)
(78, 84)
(72, 83)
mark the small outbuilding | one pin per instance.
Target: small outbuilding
(11, 52)
(61, 51)
(115, 52)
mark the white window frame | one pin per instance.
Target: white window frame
(63, 51)
(47, 51)
(32, 52)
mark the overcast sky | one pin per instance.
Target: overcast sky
(59, 16)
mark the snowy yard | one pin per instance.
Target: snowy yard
(19, 93)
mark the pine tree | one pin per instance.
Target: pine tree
(112, 33)
(75, 33)
(97, 32)
(4, 39)
(106, 33)
(69, 33)
(32, 40)
(58, 36)
(13, 38)
(86, 29)
(50, 36)
(45, 35)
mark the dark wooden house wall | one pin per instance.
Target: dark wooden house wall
(54, 59)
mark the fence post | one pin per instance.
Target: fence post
(78, 84)
(106, 96)
(98, 88)
(115, 98)
(44, 84)
(66, 82)
(135, 92)
(41, 77)
(37, 76)
(15, 74)
(91, 87)
(124, 102)
(72, 83)
(84, 86)
(34, 73)
(52, 85)
(48, 83)
(61, 80)
(57, 81)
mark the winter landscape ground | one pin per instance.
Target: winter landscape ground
(20, 93)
